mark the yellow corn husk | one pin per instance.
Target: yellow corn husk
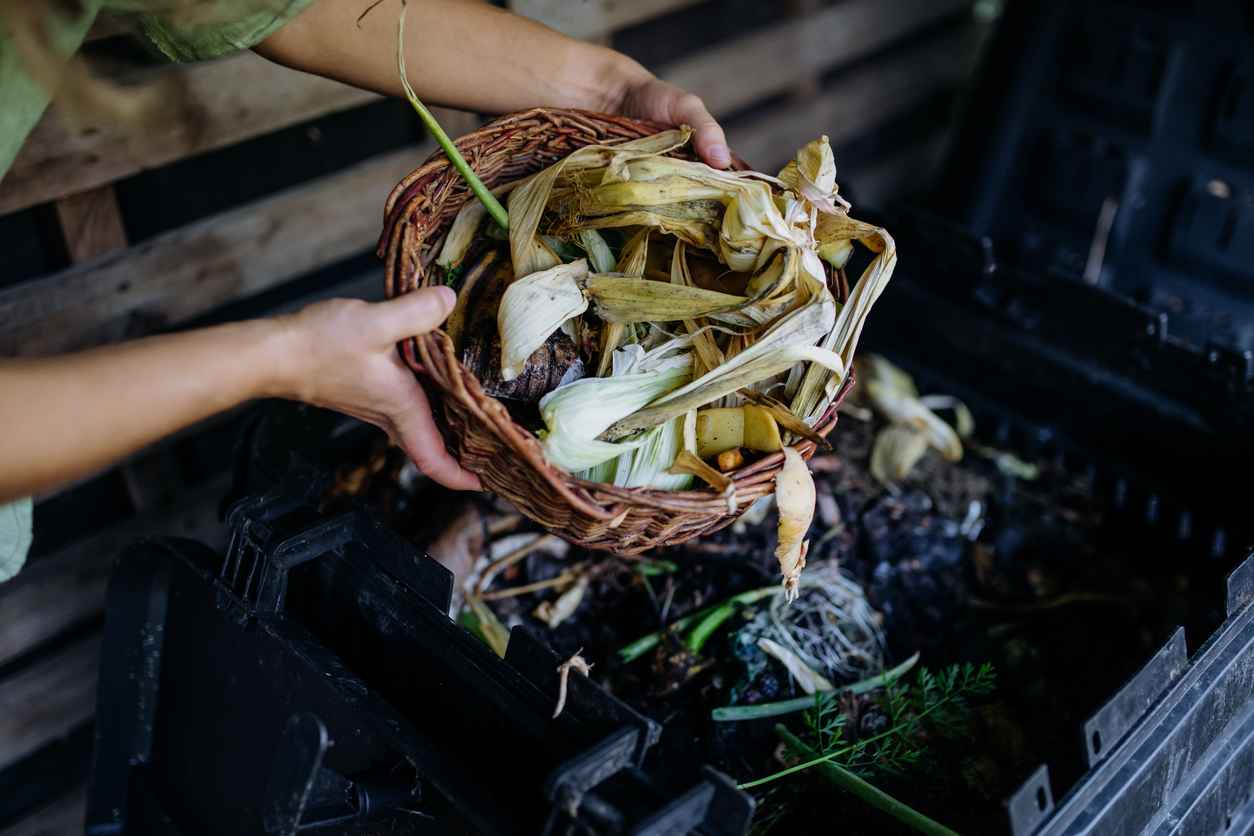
(695, 223)
(708, 354)
(898, 407)
(890, 392)
(789, 341)
(625, 299)
(819, 385)
(630, 263)
(462, 233)
(528, 201)
(813, 176)
(898, 448)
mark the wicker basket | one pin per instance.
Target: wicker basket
(476, 427)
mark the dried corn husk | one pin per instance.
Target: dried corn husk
(898, 448)
(554, 613)
(786, 343)
(626, 299)
(890, 392)
(527, 202)
(462, 233)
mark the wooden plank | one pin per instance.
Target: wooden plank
(860, 100)
(47, 699)
(594, 20)
(91, 223)
(744, 71)
(197, 268)
(67, 587)
(64, 815)
(185, 110)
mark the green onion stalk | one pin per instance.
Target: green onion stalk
(707, 620)
(494, 207)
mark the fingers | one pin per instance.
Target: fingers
(415, 431)
(707, 135)
(413, 313)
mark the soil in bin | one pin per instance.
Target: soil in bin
(965, 562)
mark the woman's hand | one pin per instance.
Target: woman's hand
(341, 354)
(648, 97)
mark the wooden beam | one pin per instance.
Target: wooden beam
(47, 699)
(67, 587)
(64, 815)
(860, 100)
(185, 109)
(190, 271)
(594, 20)
(744, 71)
(91, 224)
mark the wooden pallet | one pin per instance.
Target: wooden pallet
(840, 69)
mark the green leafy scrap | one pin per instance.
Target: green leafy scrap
(935, 702)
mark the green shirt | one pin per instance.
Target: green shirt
(181, 30)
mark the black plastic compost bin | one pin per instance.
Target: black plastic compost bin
(1087, 286)
(313, 681)
(1085, 277)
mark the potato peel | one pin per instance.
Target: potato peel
(795, 496)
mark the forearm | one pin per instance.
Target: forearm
(62, 418)
(459, 53)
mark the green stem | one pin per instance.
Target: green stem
(877, 798)
(494, 207)
(774, 709)
(643, 645)
(830, 756)
(720, 614)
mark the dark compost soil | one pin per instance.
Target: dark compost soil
(1044, 581)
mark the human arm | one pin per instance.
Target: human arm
(62, 418)
(471, 55)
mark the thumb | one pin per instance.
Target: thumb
(413, 313)
(707, 135)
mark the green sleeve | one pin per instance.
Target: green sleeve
(22, 98)
(226, 27)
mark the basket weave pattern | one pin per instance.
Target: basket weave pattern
(476, 427)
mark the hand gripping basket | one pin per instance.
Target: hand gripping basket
(476, 427)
